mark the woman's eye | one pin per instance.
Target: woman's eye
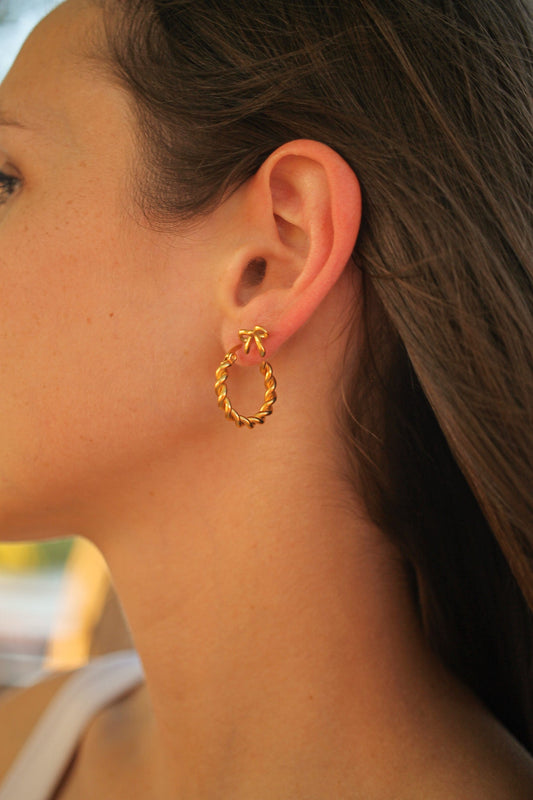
(8, 186)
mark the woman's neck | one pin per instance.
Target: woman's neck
(276, 630)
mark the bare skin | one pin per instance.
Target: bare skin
(283, 656)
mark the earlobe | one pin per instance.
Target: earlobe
(305, 205)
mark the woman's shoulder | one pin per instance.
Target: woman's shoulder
(41, 727)
(20, 711)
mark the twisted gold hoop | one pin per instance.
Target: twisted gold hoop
(247, 337)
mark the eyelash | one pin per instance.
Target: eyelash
(8, 186)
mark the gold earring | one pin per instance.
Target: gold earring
(247, 337)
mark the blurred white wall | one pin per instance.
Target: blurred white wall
(17, 18)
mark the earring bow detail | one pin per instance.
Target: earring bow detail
(257, 335)
(247, 337)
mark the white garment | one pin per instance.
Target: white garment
(44, 758)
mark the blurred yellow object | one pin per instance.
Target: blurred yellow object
(19, 557)
(31, 556)
(83, 593)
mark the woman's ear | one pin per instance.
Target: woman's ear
(296, 221)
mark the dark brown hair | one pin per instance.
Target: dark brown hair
(430, 102)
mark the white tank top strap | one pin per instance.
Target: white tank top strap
(47, 753)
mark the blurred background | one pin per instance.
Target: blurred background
(57, 604)
(17, 18)
(58, 608)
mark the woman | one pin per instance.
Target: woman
(330, 598)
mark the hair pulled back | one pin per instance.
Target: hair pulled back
(429, 101)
